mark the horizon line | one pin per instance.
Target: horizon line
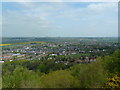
(64, 37)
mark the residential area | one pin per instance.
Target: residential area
(72, 51)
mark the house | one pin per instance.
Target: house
(16, 54)
(78, 61)
(1, 61)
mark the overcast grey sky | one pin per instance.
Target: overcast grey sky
(59, 19)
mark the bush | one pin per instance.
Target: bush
(113, 82)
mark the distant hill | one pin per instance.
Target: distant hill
(9, 40)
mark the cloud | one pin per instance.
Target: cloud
(22, 24)
(103, 6)
(91, 1)
(32, 0)
(61, 19)
(92, 10)
(0, 20)
(60, 0)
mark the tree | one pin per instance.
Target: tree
(112, 63)
(58, 79)
(90, 75)
(20, 78)
(42, 67)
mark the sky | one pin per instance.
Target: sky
(59, 19)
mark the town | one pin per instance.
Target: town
(80, 50)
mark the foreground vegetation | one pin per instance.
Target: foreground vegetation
(104, 73)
